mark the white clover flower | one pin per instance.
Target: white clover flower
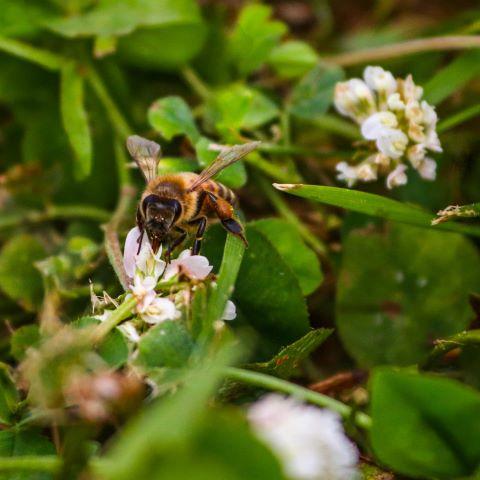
(230, 312)
(159, 310)
(428, 169)
(397, 176)
(130, 332)
(378, 124)
(346, 173)
(354, 99)
(392, 143)
(380, 80)
(195, 267)
(309, 442)
(400, 127)
(143, 289)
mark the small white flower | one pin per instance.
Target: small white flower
(416, 154)
(392, 143)
(366, 172)
(397, 177)
(129, 330)
(428, 169)
(394, 102)
(354, 99)
(413, 112)
(410, 91)
(159, 310)
(347, 173)
(230, 312)
(310, 442)
(146, 261)
(143, 289)
(378, 124)
(196, 267)
(380, 80)
(430, 117)
(381, 160)
(432, 142)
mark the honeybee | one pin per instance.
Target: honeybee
(173, 204)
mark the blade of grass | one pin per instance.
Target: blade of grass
(458, 118)
(374, 205)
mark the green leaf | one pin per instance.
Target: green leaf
(8, 395)
(171, 116)
(167, 425)
(285, 363)
(375, 205)
(424, 426)
(253, 38)
(19, 279)
(267, 293)
(403, 289)
(293, 59)
(453, 77)
(289, 244)
(234, 176)
(113, 349)
(165, 345)
(239, 107)
(24, 443)
(75, 121)
(22, 339)
(111, 17)
(313, 94)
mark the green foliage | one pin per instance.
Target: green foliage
(165, 345)
(19, 279)
(286, 362)
(313, 94)
(22, 339)
(289, 244)
(22, 443)
(426, 412)
(8, 395)
(253, 38)
(392, 291)
(171, 116)
(293, 59)
(75, 119)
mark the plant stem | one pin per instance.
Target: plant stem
(338, 126)
(272, 383)
(195, 82)
(44, 463)
(54, 212)
(458, 118)
(119, 314)
(119, 123)
(285, 211)
(454, 42)
(43, 58)
(270, 169)
(276, 149)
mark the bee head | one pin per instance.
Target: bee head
(160, 215)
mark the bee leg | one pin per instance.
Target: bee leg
(178, 241)
(224, 211)
(202, 224)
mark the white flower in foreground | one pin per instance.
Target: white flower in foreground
(230, 312)
(397, 177)
(145, 262)
(143, 289)
(159, 310)
(396, 123)
(195, 267)
(309, 442)
(129, 330)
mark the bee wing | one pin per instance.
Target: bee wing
(226, 157)
(146, 154)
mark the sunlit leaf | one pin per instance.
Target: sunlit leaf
(293, 59)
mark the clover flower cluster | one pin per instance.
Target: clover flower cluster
(398, 126)
(147, 270)
(309, 441)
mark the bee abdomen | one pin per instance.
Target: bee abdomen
(225, 193)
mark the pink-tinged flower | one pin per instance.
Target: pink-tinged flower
(146, 262)
(159, 310)
(143, 289)
(230, 312)
(397, 177)
(428, 169)
(195, 267)
(309, 442)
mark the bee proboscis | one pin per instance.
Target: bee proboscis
(173, 204)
